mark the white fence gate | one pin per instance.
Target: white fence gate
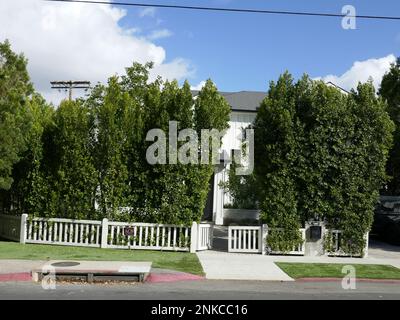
(245, 239)
(106, 234)
(205, 236)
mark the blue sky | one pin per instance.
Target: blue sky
(239, 51)
(245, 51)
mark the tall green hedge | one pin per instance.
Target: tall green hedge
(390, 91)
(87, 158)
(321, 154)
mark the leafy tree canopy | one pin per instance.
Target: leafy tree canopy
(15, 90)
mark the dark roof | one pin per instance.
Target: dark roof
(243, 100)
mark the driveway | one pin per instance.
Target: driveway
(382, 250)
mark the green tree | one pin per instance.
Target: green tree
(176, 193)
(74, 175)
(321, 154)
(110, 144)
(30, 189)
(390, 91)
(275, 157)
(15, 90)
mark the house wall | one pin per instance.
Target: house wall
(238, 121)
(232, 140)
(240, 216)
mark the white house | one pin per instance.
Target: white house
(244, 105)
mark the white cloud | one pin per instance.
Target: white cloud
(198, 86)
(79, 42)
(159, 34)
(361, 71)
(147, 12)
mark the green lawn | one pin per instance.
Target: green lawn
(331, 270)
(181, 261)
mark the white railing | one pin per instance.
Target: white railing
(106, 234)
(86, 233)
(298, 250)
(205, 236)
(245, 239)
(148, 236)
(10, 227)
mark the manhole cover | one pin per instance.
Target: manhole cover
(65, 264)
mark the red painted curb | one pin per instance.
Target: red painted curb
(5, 277)
(172, 277)
(392, 281)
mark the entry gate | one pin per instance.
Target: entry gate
(204, 236)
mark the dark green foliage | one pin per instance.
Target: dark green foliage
(211, 109)
(74, 175)
(87, 158)
(15, 91)
(242, 189)
(321, 154)
(390, 91)
(31, 188)
(124, 111)
(176, 193)
(115, 126)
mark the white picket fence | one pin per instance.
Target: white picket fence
(85, 233)
(148, 236)
(251, 239)
(106, 234)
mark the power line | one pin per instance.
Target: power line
(237, 10)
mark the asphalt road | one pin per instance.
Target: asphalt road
(203, 290)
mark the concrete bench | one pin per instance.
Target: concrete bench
(93, 271)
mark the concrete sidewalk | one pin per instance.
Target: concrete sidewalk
(19, 266)
(233, 266)
(236, 266)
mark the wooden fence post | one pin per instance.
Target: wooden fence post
(104, 233)
(22, 229)
(193, 237)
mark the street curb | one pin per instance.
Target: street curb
(389, 281)
(172, 277)
(151, 278)
(16, 277)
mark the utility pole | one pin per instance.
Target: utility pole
(69, 85)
